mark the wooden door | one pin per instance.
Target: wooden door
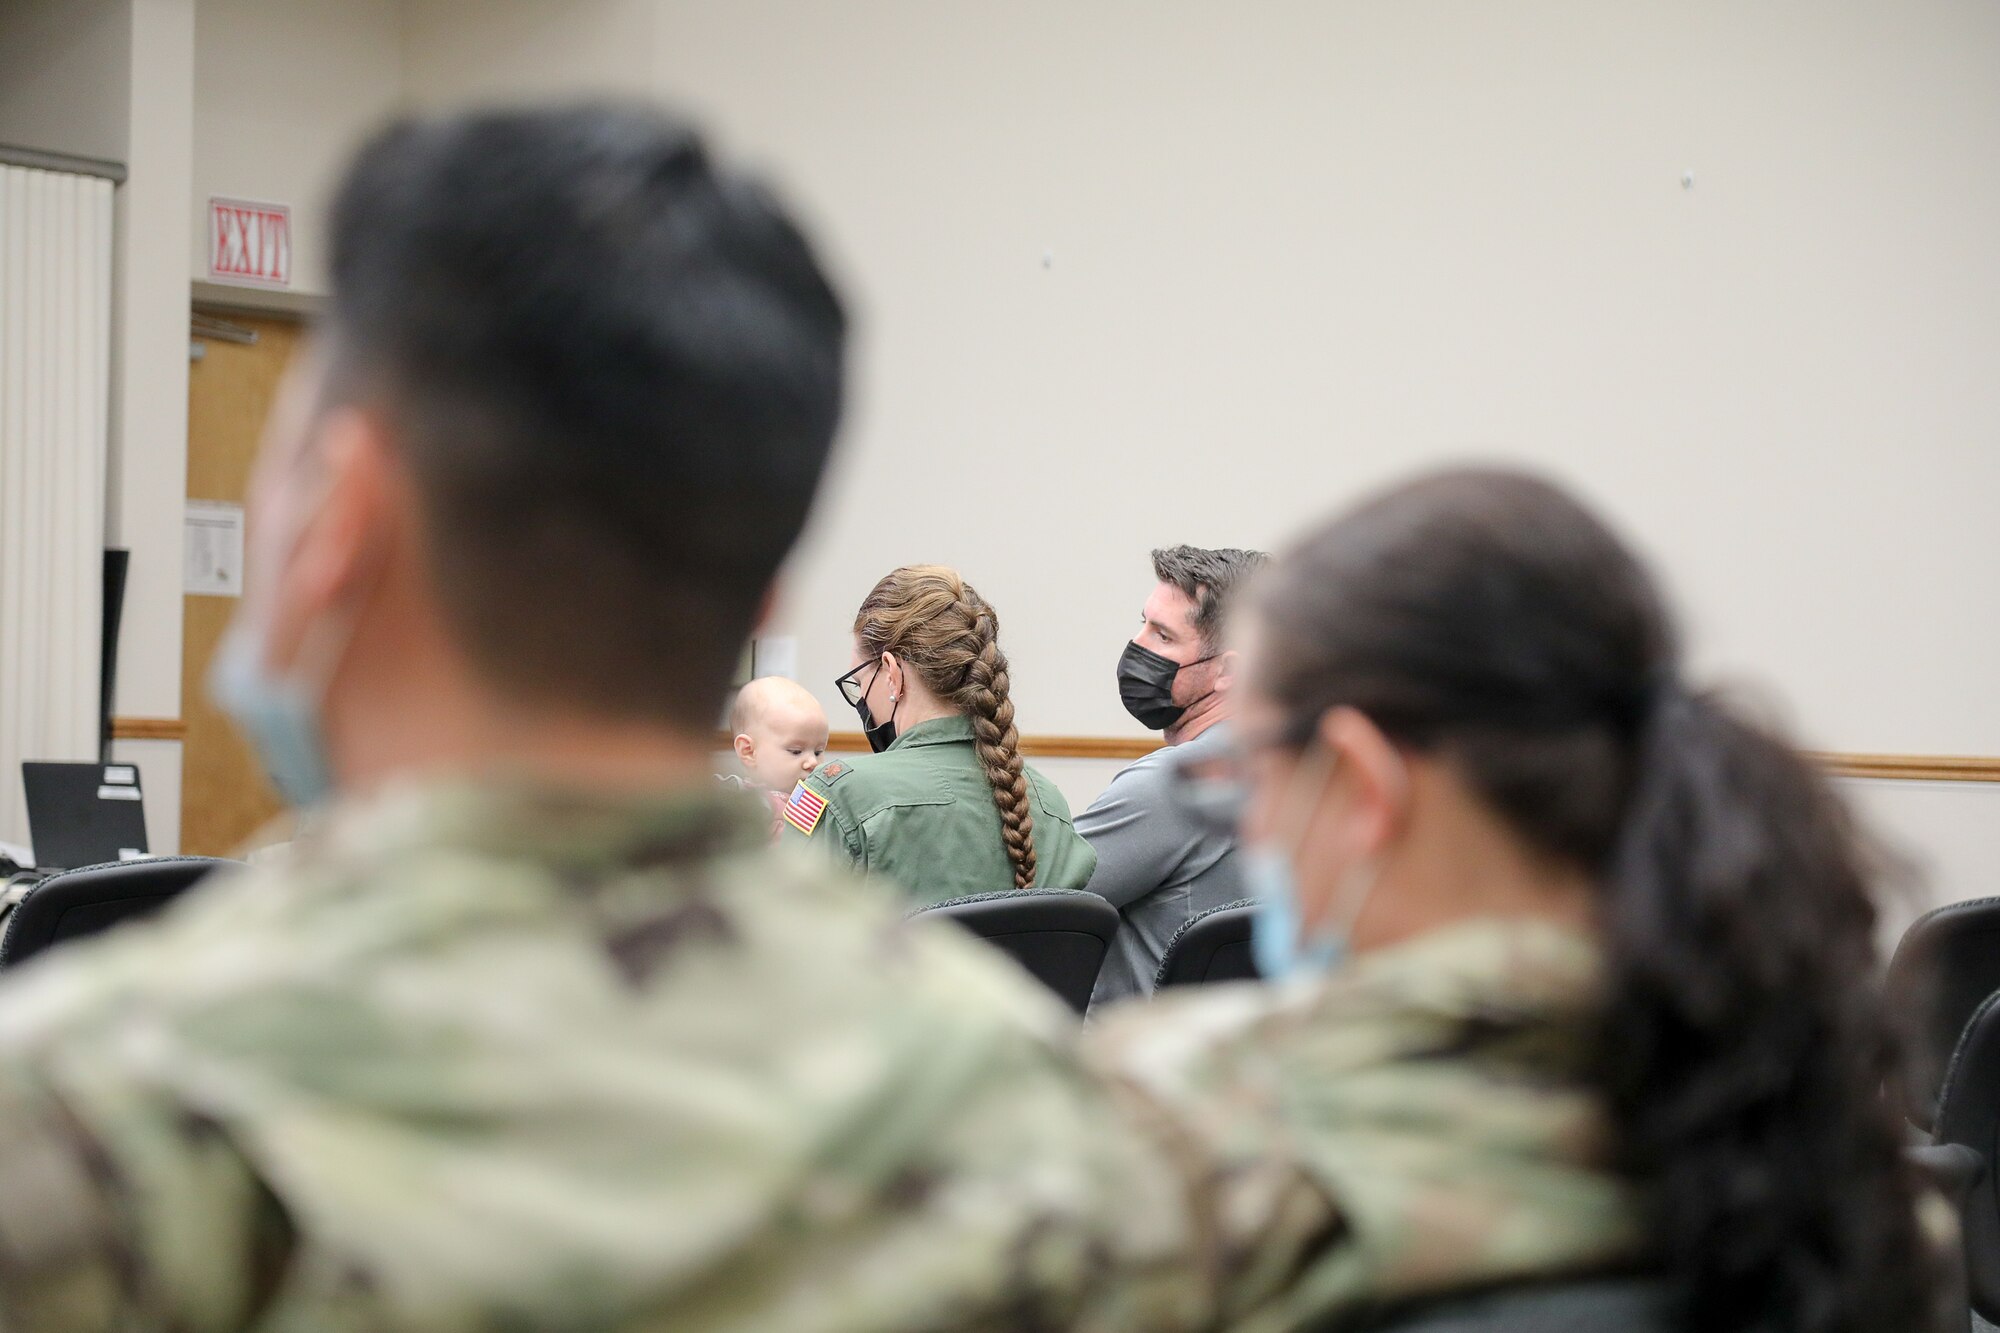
(225, 797)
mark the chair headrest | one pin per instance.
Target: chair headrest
(999, 895)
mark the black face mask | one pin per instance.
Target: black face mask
(881, 735)
(1146, 686)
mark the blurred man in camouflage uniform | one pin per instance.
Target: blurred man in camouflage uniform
(537, 1032)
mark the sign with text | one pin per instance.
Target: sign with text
(249, 243)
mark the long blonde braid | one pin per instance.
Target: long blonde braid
(941, 628)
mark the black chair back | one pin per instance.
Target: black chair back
(1059, 935)
(1943, 969)
(1968, 1115)
(82, 902)
(1585, 1305)
(1210, 946)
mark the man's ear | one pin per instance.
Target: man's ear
(362, 489)
(1374, 775)
(1225, 669)
(354, 493)
(746, 749)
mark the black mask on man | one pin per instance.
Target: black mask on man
(1146, 686)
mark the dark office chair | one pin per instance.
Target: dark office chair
(1961, 1158)
(1059, 935)
(1943, 969)
(1585, 1305)
(81, 902)
(1210, 946)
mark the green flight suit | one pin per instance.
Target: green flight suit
(921, 814)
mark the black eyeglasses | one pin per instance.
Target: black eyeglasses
(854, 690)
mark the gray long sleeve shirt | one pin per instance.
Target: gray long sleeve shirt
(1156, 864)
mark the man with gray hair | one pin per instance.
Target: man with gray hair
(1156, 863)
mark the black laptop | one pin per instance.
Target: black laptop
(84, 814)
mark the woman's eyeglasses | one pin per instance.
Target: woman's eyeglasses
(852, 690)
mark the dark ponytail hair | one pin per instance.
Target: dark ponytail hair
(1487, 618)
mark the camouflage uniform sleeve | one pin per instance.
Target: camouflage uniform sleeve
(1262, 1218)
(135, 1214)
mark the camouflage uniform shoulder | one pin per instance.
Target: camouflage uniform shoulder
(1437, 1092)
(445, 1033)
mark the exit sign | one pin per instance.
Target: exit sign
(249, 243)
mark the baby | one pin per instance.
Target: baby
(780, 733)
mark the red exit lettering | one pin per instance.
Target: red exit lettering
(249, 243)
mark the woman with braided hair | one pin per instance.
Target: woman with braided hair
(944, 806)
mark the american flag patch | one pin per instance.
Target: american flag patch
(802, 812)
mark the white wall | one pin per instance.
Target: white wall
(114, 79)
(1133, 273)
(1136, 273)
(159, 764)
(148, 464)
(63, 76)
(148, 458)
(512, 50)
(284, 91)
(1948, 833)
(1295, 253)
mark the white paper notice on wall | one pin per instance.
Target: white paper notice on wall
(212, 550)
(777, 655)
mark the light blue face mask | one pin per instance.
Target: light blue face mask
(279, 717)
(1278, 938)
(1274, 926)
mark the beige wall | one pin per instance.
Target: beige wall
(114, 79)
(64, 67)
(511, 50)
(1136, 273)
(1290, 256)
(284, 89)
(148, 458)
(1130, 273)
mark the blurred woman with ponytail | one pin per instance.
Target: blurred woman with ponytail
(944, 806)
(1574, 961)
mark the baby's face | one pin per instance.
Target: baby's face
(785, 744)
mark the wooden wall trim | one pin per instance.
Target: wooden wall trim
(1902, 767)
(1041, 747)
(148, 729)
(1913, 767)
(1899, 767)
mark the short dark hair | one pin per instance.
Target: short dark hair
(1208, 578)
(614, 369)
